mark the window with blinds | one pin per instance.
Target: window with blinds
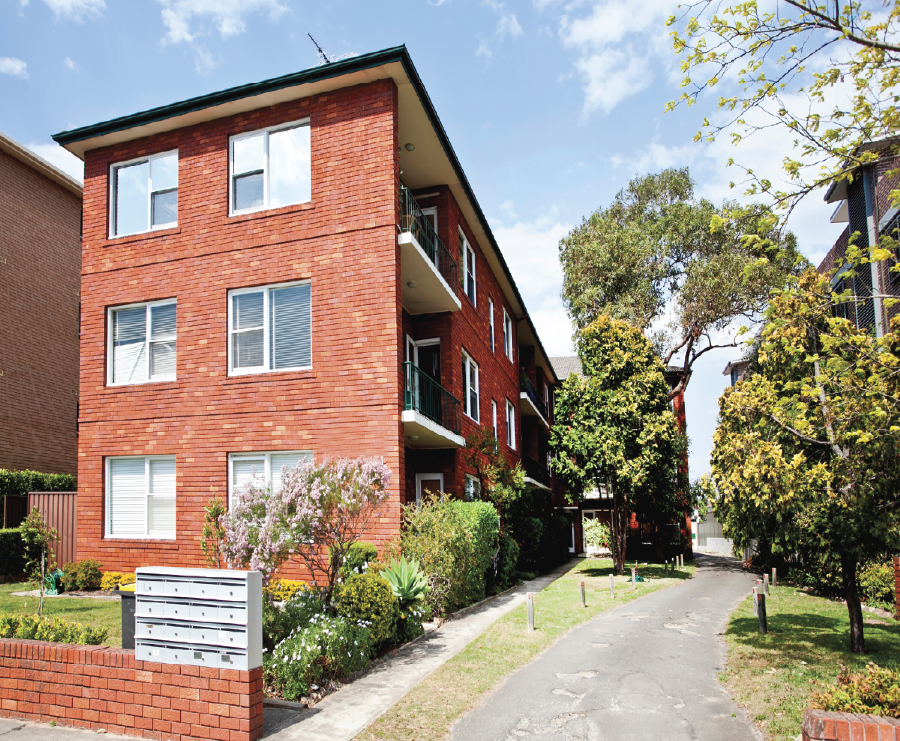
(266, 468)
(140, 497)
(270, 329)
(142, 343)
(470, 386)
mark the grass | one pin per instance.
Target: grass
(774, 675)
(101, 613)
(435, 704)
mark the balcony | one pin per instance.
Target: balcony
(535, 473)
(431, 414)
(531, 404)
(429, 277)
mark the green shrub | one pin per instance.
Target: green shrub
(19, 483)
(539, 530)
(876, 582)
(112, 579)
(877, 692)
(324, 648)
(596, 533)
(295, 613)
(409, 585)
(82, 575)
(12, 552)
(53, 629)
(367, 599)
(507, 558)
(358, 557)
(454, 542)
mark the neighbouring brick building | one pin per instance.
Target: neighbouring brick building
(290, 268)
(40, 265)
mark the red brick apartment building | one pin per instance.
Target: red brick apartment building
(289, 268)
(40, 264)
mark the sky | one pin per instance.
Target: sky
(551, 106)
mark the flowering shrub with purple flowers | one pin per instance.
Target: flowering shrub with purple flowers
(320, 510)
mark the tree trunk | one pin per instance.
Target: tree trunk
(854, 606)
(618, 521)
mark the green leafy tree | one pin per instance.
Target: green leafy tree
(652, 259)
(498, 482)
(39, 538)
(805, 452)
(212, 536)
(614, 428)
(827, 72)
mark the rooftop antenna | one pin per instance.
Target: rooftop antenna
(327, 58)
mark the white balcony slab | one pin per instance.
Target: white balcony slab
(423, 289)
(421, 432)
(527, 407)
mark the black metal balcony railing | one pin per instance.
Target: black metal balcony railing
(413, 220)
(528, 388)
(535, 471)
(426, 396)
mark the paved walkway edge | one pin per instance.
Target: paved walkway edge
(347, 713)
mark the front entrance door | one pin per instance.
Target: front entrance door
(428, 483)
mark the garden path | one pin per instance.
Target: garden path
(643, 671)
(343, 715)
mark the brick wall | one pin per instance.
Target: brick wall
(106, 688)
(819, 725)
(40, 263)
(344, 241)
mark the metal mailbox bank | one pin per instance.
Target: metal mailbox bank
(204, 617)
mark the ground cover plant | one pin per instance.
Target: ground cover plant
(775, 676)
(98, 613)
(430, 709)
(53, 629)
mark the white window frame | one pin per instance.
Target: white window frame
(420, 477)
(265, 132)
(467, 249)
(107, 508)
(431, 211)
(469, 361)
(232, 371)
(507, 336)
(267, 472)
(491, 313)
(113, 192)
(471, 484)
(494, 415)
(110, 343)
(510, 424)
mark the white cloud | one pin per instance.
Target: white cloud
(62, 158)
(204, 61)
(71, 65)
(611, 77)
(227, 16)
(75, 10)
(14, 67)
(507, 25)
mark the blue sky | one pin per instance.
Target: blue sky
(551, 106)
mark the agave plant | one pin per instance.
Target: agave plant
(408, 584)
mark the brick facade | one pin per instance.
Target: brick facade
(40, 262)
(819, 725)
(100, 688)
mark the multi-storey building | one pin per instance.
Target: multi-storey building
(40, 259)
(292, 268)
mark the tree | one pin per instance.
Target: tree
(772, 56)
(805, 452)
(652, 256)
(498, 482)
(39, 538)
(614, 428)
(321, 509)
(212, 536)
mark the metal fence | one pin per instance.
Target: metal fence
(60, 510)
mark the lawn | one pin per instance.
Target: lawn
(96, 612)
(773, 675)
(434, 705)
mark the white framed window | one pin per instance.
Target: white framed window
(467, 267)
(473, 488)
(507, 335)
(141, 343)
(431, 216)
(269, 328)
(491, 319)
(470, 386)
(494, 416)
(266, 467)
(144, 194)
(510, 424)
(269, 168)
(140, 497)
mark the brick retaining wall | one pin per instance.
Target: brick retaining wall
(95, 687)
(819, 725)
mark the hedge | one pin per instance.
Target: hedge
(12, 552)
(19, 483)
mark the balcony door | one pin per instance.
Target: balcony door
(425, 384)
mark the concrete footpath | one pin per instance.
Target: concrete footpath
(343, 715)
(643, 671)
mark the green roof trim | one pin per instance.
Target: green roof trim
(326, 71)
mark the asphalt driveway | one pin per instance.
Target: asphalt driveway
(644, 671)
